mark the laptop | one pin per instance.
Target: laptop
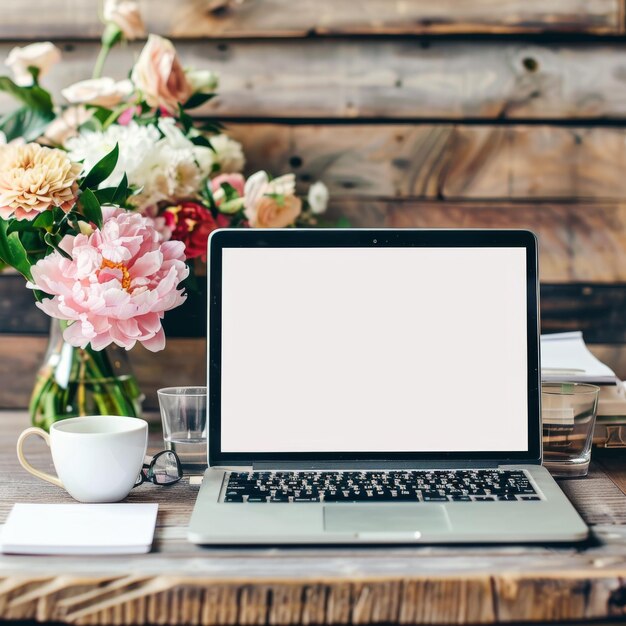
(375, 386)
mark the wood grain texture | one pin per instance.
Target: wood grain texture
(280, 18)
(179, 583)
(444, 161)
(578, 242)
(386, 79)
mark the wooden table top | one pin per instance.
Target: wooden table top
(178, 583)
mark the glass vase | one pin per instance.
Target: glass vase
(74, 382)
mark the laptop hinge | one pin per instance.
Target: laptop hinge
(369, 465)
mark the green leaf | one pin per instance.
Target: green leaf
(33, 96)
(198, 99)
(12, 252)
(26, 123)
(106, 195)
(90, 207)
(229, 191)
(18, 226)
(44, 220)
(211, 126)
(185, 120)
(121, 193)
(34, 71)
(114, 195)
(53, 241)
(102, 169)
(201, 140)
(207, 193)
(101, 114)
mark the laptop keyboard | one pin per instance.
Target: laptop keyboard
(376, 486)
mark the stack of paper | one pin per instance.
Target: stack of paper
(565, 356)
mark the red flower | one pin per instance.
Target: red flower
(192, 224)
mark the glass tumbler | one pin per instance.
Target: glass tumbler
(184, 417)
(568, 412)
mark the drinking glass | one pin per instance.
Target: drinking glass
(184, 417)
(568, 412)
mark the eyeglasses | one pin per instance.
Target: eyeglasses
(164, 469)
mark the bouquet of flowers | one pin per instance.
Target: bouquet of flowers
(106, 198)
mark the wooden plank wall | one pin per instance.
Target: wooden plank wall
(481, 113)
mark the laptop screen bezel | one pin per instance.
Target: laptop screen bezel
(343, 238)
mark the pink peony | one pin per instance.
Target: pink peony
(117, 285)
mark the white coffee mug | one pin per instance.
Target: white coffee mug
(97, 458)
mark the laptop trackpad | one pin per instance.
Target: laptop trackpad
(385, 518)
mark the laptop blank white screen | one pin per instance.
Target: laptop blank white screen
(374, 350)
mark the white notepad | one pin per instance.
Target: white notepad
(79, 529)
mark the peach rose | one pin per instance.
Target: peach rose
(159, 75)
(41, 55)
(125, 14)
(275, 212)
(104, 92)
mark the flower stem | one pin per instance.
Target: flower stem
(100, 61)
(81, 396)
(78, 382)
(112, 34)
(114, 115)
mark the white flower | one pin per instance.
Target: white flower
(167, 173)
(227, 155)
(125, 14)
(104, 92)
(318, 198)
(254, 189)
(135, 144)
(283, 185)
(174, 136)
(163, 167)
(41, 56)
(202, 81)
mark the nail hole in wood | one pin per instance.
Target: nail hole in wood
(530, 64)
(220, 10)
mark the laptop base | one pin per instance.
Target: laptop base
(551, 519)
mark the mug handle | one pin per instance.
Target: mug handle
(26, 465)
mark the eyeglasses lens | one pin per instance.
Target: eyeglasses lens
(165, 470)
